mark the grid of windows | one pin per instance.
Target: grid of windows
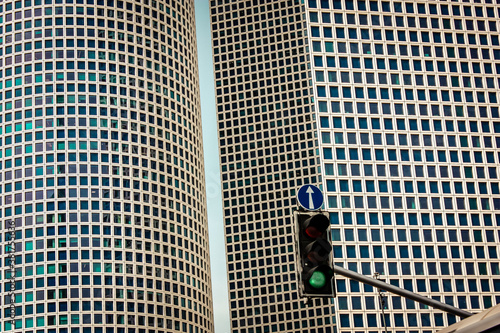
(407, 101)
(267, 149)
(102, 167)
(405, 116)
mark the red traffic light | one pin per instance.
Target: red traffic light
(316, 225)
(312, 232)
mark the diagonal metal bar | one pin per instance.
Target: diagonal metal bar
(401, 292)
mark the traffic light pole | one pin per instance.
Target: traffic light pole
(401, 292)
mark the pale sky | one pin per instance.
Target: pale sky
(212, 173)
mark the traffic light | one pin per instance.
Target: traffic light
(314, 257)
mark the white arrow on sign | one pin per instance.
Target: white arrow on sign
(309, 197)
(310, 191)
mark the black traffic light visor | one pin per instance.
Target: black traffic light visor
(316, 225)
(316, 252)
(319, 278)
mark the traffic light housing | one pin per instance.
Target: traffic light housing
(314, 254)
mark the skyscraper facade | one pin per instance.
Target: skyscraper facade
(268, 148)
(404, 111)
(102, 168)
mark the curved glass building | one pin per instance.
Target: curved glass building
(102, 184)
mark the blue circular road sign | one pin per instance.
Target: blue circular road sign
(310, 197)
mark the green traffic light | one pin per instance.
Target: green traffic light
(317, 280)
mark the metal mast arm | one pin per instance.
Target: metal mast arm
(401, 292)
